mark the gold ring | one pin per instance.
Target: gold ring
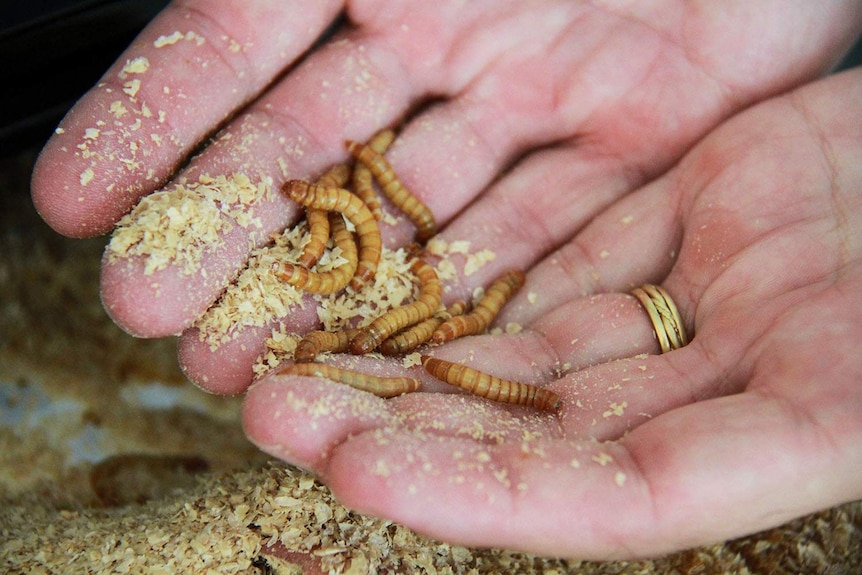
(664, 316)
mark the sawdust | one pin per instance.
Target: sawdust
(179, 225)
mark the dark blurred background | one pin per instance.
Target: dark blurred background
(51, 52)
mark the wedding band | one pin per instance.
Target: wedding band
(664, 316)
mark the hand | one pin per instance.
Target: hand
(614, 95)
(757, 234)
(589, 103)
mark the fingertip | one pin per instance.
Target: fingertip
(149, 305)
(223, 368)
(57, 190)
(105, 155)
(300, 419)
(259, 421)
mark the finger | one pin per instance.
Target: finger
(506, 495)
(543, 201)
(299, 419)
(280, 412)
(420, 187)
(128, 134)
(634, 241)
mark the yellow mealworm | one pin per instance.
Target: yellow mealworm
(317, 342)
(362, 184)
(419, 213)
(413, 337)
(355, 210)
(324, 282)
(318, 222)
(485, 311)
(491, 387)
(335, 177)
(379, 386)
(318, 230)
(430, 295)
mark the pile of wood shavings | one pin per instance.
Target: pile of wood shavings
(278, 520)
(178, 225)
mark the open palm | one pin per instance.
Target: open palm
(758, 420)
(576, 104)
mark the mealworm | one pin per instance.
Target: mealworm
(355, 210)
(318, 222)
(317, 342)
(318, 230)
(430, 295)
(379, 386)
(324, 282)
(362, 184)
(414, 336)
(491, 387)
(418, 213)
(335, 177)
(485, 311)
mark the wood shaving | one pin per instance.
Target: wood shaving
(446, 267)
(137, 65)
(477, 261)
(168, 40)
(615, 409)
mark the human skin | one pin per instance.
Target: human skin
(593, 104)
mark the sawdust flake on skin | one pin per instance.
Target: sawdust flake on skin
(364, 97)
(177, 36)
(117, 143)
(485, 423)
(473, 462)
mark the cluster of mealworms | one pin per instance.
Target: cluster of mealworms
(328, 203)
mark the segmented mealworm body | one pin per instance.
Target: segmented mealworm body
(317, 342)
(485, 311)
(355, 210)
(324, 282)
(379, 386)
(489, 386)
(335, 177)
(362, 183)
(419, 213)
(414, 336)
(318, 222)
(318, 230)
(430, 295)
